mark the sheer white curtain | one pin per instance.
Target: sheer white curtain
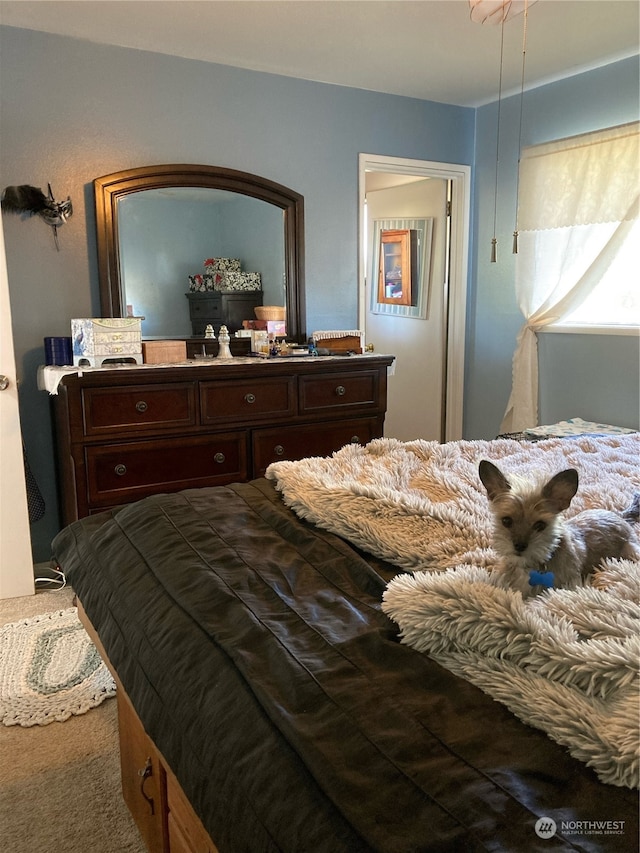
(578, 200)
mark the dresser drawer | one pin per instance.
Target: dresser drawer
(120, 473)
(123, 434)
(186, 832)
(177, 841)
(298, 442)
(138, 408)
(138, 754)
(339, 391)
(247, 400)
(204, 306)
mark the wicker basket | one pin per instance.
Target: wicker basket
(270, 312)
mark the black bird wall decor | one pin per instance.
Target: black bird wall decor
(31, 201)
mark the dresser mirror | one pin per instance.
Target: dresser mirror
(156, 225)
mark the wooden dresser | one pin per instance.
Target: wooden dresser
(132, 431)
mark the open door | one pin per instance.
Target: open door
(415, 309)
(16, 563)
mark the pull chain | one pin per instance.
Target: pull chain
(524, 55)
(494, 240)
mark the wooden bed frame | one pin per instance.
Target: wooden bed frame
(161, 811)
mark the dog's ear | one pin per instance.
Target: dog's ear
(561, 488)
(493, 479)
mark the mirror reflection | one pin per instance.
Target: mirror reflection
(166, 234)
(156, 226)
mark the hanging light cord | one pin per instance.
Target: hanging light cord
(494, 241)
(524, 55)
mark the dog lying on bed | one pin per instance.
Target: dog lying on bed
(538, 548)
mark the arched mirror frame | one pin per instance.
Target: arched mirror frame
(109, 189)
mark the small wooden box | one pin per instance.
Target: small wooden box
(348, 344)
(164, 352)
(337, 343)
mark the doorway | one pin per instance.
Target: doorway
(432, 201)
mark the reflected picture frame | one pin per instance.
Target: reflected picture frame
(411, 298)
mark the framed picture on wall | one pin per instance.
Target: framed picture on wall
(398, 266)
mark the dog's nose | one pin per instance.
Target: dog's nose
(520, 546)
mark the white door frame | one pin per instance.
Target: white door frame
(460, 177)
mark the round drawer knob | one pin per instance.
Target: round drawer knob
(355, 439)
(278, 450)
(141, 406)
(250, 398)
(219, 458)
(120, 470)
(341, 390)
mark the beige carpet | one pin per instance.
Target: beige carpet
(60, 784)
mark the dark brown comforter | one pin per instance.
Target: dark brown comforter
(254, 650)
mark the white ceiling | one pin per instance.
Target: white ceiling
(426, 49)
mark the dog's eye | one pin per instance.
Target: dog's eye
(539, 526)
(507, 521)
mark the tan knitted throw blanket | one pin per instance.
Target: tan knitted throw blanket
(565, 662)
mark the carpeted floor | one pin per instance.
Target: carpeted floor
(60, 784)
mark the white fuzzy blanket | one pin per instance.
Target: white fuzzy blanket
(565, 662)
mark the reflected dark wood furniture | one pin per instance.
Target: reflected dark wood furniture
(200, 346)
(129, 432)
(214, 308)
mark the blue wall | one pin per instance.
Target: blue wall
(71, 111)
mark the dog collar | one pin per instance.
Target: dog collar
(544, 579)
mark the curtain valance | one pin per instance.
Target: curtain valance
(581, 180)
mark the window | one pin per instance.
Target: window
(615, 299)
(578, 212)
(579, 248)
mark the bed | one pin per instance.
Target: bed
(269, 638)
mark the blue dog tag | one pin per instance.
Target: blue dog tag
(544, 579)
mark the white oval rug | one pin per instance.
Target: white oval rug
(49, 670)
